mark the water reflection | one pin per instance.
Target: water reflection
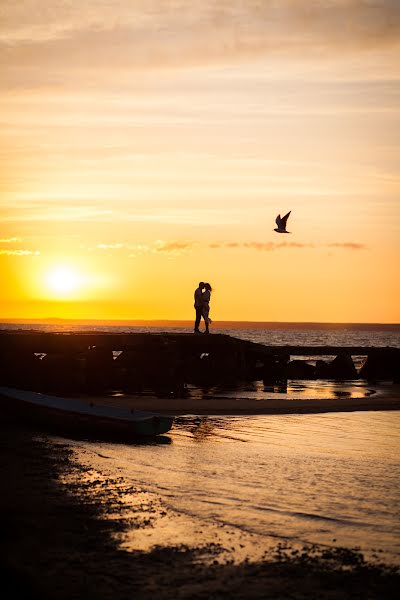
(330, 479)
(285, 390)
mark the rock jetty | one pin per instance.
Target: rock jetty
(165, 363)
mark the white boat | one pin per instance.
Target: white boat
(82, 415)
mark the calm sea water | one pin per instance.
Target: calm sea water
(330, 479)
(272, 336)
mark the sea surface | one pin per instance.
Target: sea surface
(331, 479)
(255, 481)
(326, 336)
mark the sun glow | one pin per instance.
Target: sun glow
(63, 281)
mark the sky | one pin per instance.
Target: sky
(148, 145)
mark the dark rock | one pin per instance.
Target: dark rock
(19, 369)
(157, 366)
(99, 364)
(322, 370)
(300, 369)
(275, 369)
(342, 367)
(62, 373)
(382, 364)
(215, 366)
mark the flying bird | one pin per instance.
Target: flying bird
(281, 223)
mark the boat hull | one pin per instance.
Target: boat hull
(84, 417)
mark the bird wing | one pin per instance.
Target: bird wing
(285, 218)
(278, 220)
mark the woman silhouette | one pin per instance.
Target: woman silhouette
(206, 297)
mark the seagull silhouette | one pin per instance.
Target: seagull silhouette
(281, 223)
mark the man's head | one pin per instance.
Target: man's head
(201, 284)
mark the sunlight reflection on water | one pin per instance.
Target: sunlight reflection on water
(332, 479)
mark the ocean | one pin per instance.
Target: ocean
(250, 482)
(280, 334)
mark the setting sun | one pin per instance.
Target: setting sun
(63, 281)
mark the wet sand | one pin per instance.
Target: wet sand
(62, 524)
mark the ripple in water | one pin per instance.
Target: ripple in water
(329, 479)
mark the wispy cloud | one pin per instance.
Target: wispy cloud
(347, 245)
(10, 240)
(272, 246)
(170, 248)
(103, 35)
(117, 246)
(173, 248)
(162, 24)
(260, 246)
(19, 252)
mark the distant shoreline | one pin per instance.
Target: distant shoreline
(218, 324)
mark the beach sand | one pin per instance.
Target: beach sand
(62, 524)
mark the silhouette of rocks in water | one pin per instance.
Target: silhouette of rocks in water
(342, 367)
(383, 364)
(322, 370)
(165, 363)
(300, 369)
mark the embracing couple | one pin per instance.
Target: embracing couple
(202, 296)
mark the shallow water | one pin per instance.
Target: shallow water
(290, 390)
(329, 479)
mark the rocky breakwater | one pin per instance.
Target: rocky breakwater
(133, 363)
(165, 363)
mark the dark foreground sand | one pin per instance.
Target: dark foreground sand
(57, 542)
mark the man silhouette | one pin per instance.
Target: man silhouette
(198, 306)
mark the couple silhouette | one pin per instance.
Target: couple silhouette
(202, 297)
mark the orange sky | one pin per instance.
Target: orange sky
(146, 146)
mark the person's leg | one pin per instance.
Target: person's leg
(206, 320)
(198, 318)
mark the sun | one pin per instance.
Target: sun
(63, 281)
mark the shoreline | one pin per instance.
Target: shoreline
(63, 524)
(381, 400)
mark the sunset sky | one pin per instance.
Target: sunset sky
(147, 145)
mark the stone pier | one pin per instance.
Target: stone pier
(164, 363)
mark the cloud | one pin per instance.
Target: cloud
(139, 250)
(347, 245)
(117, 246)
(260, 246)
(11, 240)
(19, 253)
(173, 248)
(72, 37)
(272, 246)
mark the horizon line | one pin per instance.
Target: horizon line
(171, 322)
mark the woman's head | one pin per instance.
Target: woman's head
(208, 287)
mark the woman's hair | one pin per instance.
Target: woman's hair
(208, 287)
